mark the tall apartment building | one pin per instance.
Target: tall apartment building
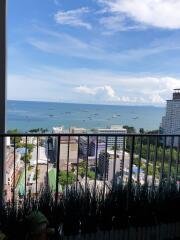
(93, 147)
(114, 129)
(108, 164)
(171, 120)
(83, 147)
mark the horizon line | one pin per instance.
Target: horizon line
(99, 104)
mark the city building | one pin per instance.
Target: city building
(68, 153)
(56, 130)
(109, 164)
(75, 130)
(42, 157)
(101, 146)
(114, 129)
(30, 140)
(83, 145)
(84, 149)
(68, 148)
(171, 120)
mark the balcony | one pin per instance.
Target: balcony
(88, 186)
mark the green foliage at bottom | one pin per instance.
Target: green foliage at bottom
(86, 212)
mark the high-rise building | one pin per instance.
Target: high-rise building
(171, 120)
(109, 164)
(92, 147)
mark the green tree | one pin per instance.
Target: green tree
(91, 174)
(30, 147)
(26, 158)
(66, 179)
(38, 130)
(130, 129)
(34, 130)
(141, 131)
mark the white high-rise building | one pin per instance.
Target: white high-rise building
(171, 120)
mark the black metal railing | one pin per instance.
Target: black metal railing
(87, 161)
(101, 184)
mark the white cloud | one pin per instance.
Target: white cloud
(90, 86)
(155, 13)
(107, 94)
(96, 90)
(117, 23)
(110, 91)
(65, 44)
(73, 18)
(128, 89)
(86, 90)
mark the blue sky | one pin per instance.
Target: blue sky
(94, 51)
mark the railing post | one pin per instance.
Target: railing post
(57, 170)
(131, 160)
(2, 91)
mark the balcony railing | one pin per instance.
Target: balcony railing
(86, 183)
(82, 161)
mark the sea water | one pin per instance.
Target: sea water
(25, 115)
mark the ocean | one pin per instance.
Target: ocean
(25, 115)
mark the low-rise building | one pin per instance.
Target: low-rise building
(68, 153)
(30, 140)
(75, 130)
(114, 129)
(68, 149)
